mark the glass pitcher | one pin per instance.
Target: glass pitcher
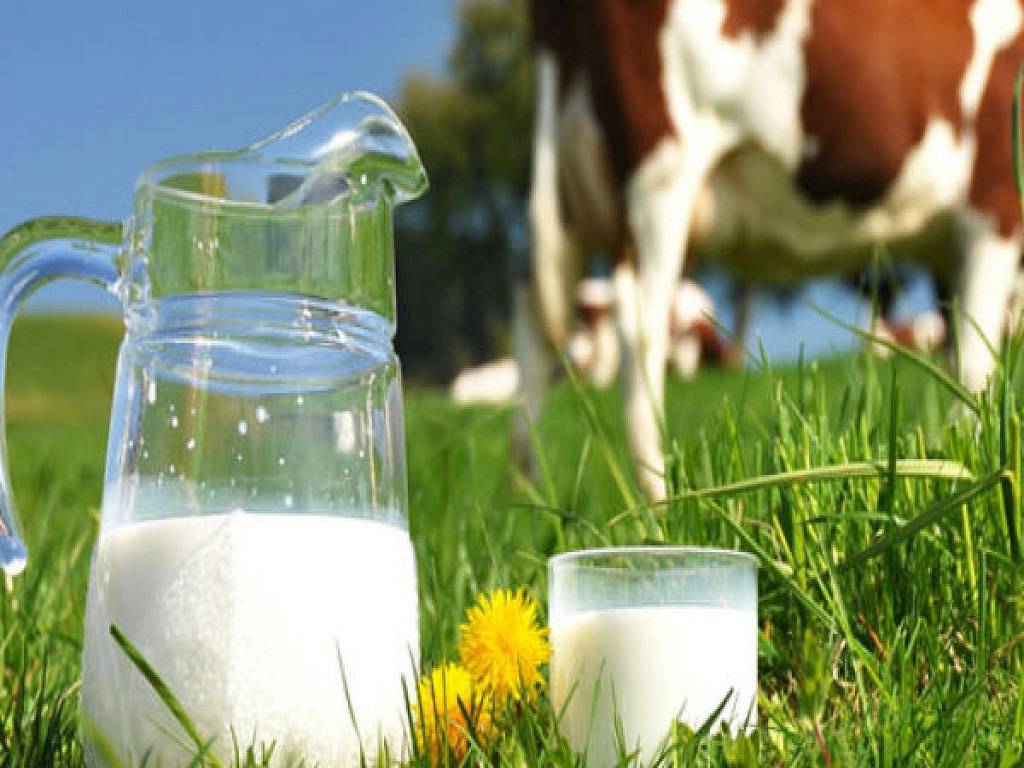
(253, 544)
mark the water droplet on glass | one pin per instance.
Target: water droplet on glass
(280, 461)
(170, 408)
(202, 484)
(289, 501)
(174, 421)
(239, 458)
(243, 427)
(362, 453)
(170, 469)
(299, 400)
(273, 369)
(145, 454)
(190, 444)
(262, 416)
(151, 392)
(233, 482)
(192, 411)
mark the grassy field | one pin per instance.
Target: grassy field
(891, 579)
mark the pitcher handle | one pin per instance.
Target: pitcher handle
(32, 254)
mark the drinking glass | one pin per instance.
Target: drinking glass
(643, 637)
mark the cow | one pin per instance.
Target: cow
(593, 348)
(782, 138)
(694, 339)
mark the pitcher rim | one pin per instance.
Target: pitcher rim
(152, 176)
(150, 180)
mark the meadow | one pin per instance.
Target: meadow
(889, 537)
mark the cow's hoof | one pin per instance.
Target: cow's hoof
(963, 416)
(652, 483)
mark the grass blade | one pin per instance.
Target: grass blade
(165, 694)
(603, 441)
(768, 562)
(939, 374)
(922, 521)
(925, 469)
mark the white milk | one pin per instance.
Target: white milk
(244, 616)
(653, 665)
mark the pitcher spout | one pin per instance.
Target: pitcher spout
(306, 211)
(354, 143)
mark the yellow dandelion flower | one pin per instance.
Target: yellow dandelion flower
(502, 644)
(445, 698)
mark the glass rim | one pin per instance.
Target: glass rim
(152, 181)
(581, 556)
(367, 111)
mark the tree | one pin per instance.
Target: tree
(465, 242)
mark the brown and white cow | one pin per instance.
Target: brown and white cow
(593, 350)
(784, 138)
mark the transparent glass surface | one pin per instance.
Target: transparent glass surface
(253, 541)
(645, 636)
(263, 402)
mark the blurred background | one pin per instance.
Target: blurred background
(92, 94)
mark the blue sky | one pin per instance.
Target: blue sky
(96, 91)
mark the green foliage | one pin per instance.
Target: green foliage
(909, 657)
(460, 246)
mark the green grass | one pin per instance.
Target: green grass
(891, 628)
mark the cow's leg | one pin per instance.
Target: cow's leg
(989, 271)
(542, 310)
(659, 201)
(1015, 307)
(605, 363)
(536, 360)
(879, 290)
(743, 311)
(992, 223)
(686, 353)
(555, 261)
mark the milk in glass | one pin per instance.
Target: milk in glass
(650, 666)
